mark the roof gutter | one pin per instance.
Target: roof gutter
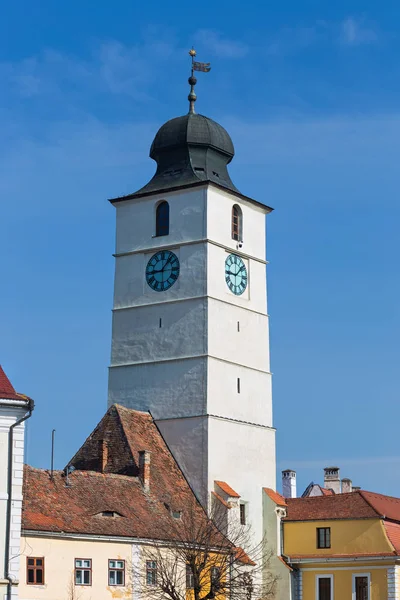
(31, 406)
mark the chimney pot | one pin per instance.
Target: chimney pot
(332, 479)
(289, 483)
(103, 455)
(347, 485)
(144, 469)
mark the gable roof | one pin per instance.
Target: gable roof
(275, 497)
(52, 506)
(227, 489)
(7, 391)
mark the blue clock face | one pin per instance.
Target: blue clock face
(235, 274)
(162, 270)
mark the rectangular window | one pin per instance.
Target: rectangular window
(215, 577)
(361, 585)
(323, 537)
(242, 514)
(238, 385)
(151, 572)
(83, 571)
(189, 578)
(34, 571)
(324, 587)
(116, 572)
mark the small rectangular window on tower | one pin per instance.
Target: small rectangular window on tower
(238, 326)
(242, 514)
(160, 322)
(238, 385)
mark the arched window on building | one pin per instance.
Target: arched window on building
(162, 219)
(237, 223)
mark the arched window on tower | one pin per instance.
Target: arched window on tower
(162, 219)
(237, 223)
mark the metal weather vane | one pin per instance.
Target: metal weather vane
(196, 66)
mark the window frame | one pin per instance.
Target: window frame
(115, 569)
(152, 570)
(162, 225)
(189, 577)
(237, 223)
(35, 568)
(325, 546)
(243, 513)
(353, 584)
(317, 578)
(216, 580)
(89, 569)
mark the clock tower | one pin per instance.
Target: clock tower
(190, 337)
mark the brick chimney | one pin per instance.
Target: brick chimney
(332, 479)
(103, 451)
(347, 485)
(289, 483)
(144, 469)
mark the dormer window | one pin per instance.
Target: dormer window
(237, 223)
(162, 219)
(109, 514)
(176, 514)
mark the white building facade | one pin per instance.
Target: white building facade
(14, 410)
(196, 352)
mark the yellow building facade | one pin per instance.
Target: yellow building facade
(340, 547)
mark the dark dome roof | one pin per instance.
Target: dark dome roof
(192, 129)
(189, 150)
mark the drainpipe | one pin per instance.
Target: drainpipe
(31, 406)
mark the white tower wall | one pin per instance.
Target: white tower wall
(186, 372)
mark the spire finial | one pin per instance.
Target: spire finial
(196, 66)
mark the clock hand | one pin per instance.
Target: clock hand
(166, 262)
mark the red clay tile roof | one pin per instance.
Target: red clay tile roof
(393, 533)
(275, 496)
(386, 506)
(227, 489)
(7, 391)
(326, 491)
(339, 506)
(52, 506)
(242, 557)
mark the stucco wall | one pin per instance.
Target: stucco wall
(359, 536)
(60, 557)
(342, 582)
(243, 455)
(219, 210)
(274, 567)
(131, 289)
(8, 416)
(199, 333)
(136, 220)
(167, 389)
(252, 404)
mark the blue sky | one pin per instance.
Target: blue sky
(309, 92)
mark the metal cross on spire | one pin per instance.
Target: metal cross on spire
(196, 66)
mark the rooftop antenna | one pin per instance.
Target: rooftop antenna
(196, 66)
(52, 455)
